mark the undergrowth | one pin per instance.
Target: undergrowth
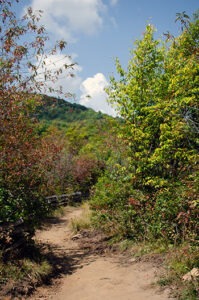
(21, 272)
(83, 221)
(178, 260)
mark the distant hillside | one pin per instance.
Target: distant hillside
(54, 109)
(86, 131)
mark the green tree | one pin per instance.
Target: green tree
(138, 98)
(157, 97)
(178, 141)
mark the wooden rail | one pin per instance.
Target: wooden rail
(19, 230)
(65, 199)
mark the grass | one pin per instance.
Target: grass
(59, 212)
(178, 261)
(21, 268)
(156, 247)
(83, 221)
(36, 270)
(22, 272)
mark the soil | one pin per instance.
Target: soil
(86, 268)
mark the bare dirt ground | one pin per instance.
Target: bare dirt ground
(87, 271)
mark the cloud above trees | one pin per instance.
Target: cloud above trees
(93, 94)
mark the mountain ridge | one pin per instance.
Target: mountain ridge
(53, 108)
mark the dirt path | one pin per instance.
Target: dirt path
(89, 276)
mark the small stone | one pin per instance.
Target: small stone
(192, 275)
(132, 260)
(76, 237)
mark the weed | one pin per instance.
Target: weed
(180, 261)
(164, 281)
(83, 221)
(59, 212)
(20, 274)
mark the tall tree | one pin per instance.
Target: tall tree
(157, 97)
(137, 96)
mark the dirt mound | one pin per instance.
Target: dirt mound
(93, 242)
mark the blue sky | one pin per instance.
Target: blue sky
(97, 31)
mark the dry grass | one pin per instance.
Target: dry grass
(177, 261)
(83, 221)
(21, 275)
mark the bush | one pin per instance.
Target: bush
(167, 213)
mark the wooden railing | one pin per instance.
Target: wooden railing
(19, 230)
(65, 199)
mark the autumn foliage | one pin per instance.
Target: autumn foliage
(26, 157)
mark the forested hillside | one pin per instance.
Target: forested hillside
(88, 137)
(61, 110)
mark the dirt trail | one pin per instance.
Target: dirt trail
(90, 276)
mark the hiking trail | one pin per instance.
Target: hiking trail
(86, 274)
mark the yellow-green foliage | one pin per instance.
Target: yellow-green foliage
(152, 192)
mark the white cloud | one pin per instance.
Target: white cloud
(53, 63)
(66, 17)
(113, 2)
(93, 94)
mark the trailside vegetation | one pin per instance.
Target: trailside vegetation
(151, 191)
(23, 181)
